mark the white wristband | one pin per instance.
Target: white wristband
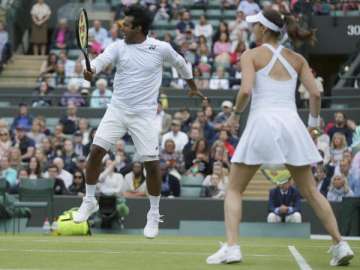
(313, 121)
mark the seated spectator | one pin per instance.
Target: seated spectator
(218, 152)
(281, 6)
(235, 76)
(304, 93)
(236, 54)
(78, 77)
(113, 36)
(35, 133)
(72, 95)
(337, 148)
(179, 137)
(78, 185)
(62, 37)
(223, 28)
(98, 33)
(201, 82)
(186, 119)
(79, 147)
(322, 180)
(23, 119)
(224, 136)
(110, 182)
(238, 30)
(164, 12)
(41, 96)
(5, 47)
(194, 136)
(206, 128)
(340, 125)
(215, 184)
(222, 46)
(62, 174)
(69, 156)
(249, 7)
(184, 24)
(198, 159)
(68, 65)
(15, 158)
(224, 115)
(121, 158)
(203, 28)
(351, 124)
(354, 182)
(24, 143)
(170, 186)
(49, 66)
(134, 182)
(41, 158)
(284, 204)
(171, 158)
(8, 173)
(219, 81)
(162, 120)
(34, 169)
(58, 138)
(209, 113)
(101, 96)
(339, 188)
(59, 185)
(70, 120)
(5, 142)
(21, 175)
(84, 129)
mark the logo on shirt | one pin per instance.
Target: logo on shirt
(152, 47)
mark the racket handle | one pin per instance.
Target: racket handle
(87, 63)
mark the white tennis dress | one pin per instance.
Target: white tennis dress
(274, 133)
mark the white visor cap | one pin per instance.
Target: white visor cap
(262, 19)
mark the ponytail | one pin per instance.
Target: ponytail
(296, 33)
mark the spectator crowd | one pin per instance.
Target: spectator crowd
(198, 145)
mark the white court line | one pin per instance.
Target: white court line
(147, 242)
(104, 251)
(327, 237)
(303, 265)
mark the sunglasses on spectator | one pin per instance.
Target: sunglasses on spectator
(77, 176)
(4, 134)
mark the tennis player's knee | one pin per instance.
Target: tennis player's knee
(96, 153)
(273, 218)
(294, 218)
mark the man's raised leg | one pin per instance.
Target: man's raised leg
(93, 169)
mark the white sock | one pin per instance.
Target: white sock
(90, 191)
(233, 246)
(154, 202)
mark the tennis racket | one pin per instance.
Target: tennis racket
(275, 175)
(82, 28)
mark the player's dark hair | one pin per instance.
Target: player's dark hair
(296, 33)
(142, 17)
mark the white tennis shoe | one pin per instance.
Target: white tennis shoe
(88, 207)
(226, 255)
(341, 254)
(151, 229)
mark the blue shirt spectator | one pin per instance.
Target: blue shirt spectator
(23, 119)
(101, 97)
(7, 172)
(284, 195)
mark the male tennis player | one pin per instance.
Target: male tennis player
(138, 60)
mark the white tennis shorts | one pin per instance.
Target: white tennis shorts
(116, 123)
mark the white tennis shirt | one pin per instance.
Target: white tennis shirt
(139, 72)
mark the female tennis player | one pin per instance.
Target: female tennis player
(274, 133)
